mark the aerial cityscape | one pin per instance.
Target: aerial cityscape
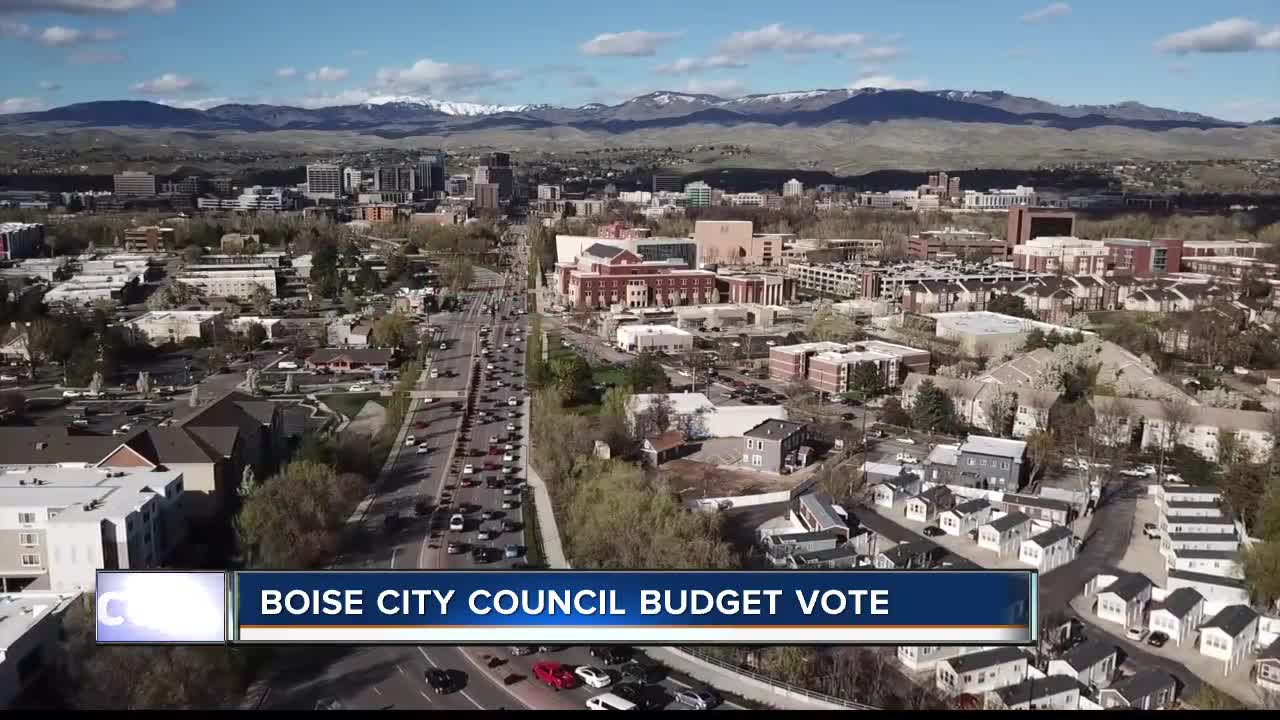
(431, 292)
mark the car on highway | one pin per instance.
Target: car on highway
(455, 547)
(638, 672)
(509, 457)
(423, 449)
(480, 555)
(495, 440)
(697, 698)
(488, 515)
(486, 533)
(1151, 530)
(593, 676)
(457, 522)
(435, 373)
(511, 552)
(440, 681)
(508, 470)
(71, 393)
(287, 365)
(512, 402)
(556, 675)
(510, 504)
(410, 440)
(906, 441)
(468, 469)
(906, 458)
(8, 378)
(358, 389)
(510, 490)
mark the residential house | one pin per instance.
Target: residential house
(1226, 563)
(1178, 615)
(1036, 507)
(30, 634)
(815, 512)
(774, 445)
(1092, 663)
(976, 401)
(1004, 535)
(991, 463)
(1055, 692)
(924, 508)
(924, 658)
(890, 492)
(779, 547)
(350, 332)
(245, 431)
(1050, 549)
(960, 520)
(982, 672)
(1118, 368)
(1144, 690)
(838, 558)
(1218, 592)
(662, 447)
(1266, 669)
(1196, 426)
(915, 555)
(347, 360)
(1122, 598)
(1230, 635)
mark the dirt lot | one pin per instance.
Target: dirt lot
(695, 480)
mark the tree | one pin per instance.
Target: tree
(255, 335)
(828, 325)
(394, 330)
(261, 300)
(893, 414)
(174, 295)
(367, 279)
(397, 264)
(1042, 447)
(657, 417)
(572, 376)
(865, 380)
(293, 519)
(1009, 304)
(1261, 564)
(645, 374)
(1175, 417)
(458, 274)
(350, 302)
(1001, 413)
(217, 361)
(933, 410)
(192, 254)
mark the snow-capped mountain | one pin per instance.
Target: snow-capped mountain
(448, 107)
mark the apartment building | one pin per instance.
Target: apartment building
(697, 195)
(21, 240)
(240, 281)
(775, 446)
(606, 275)
(830, 367)
(58, 526)
(324, 181)
(254, 199)
(30, 634)
(394, 178)
(174, 326)
(132, 182)
(1065, 255)
(1224, 248)
(792, 188)
(997, 199)
(955, 242)
(1144, 257)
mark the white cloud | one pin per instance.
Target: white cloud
(86, 7)
(887, 82)
(196, 103)
(727, 88)
(59, 36)
(286, 73)
(168, 84)
(1223, 36)
(633, 43)
(21, 105)
(777, 37)
(14, 29)
(687, 65)
(430, 76)
(346, 97)
(1052, 10)
(883, 53)
(96, 58)
(329, 74)
(48, 86)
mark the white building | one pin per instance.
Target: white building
(996, 199)
(1068, 255)
(88, 288)
(695, 411)
(352, 180)
(654, 338)
(792, 188)
(174, 326)
(131, 182)
(635, 197)
(29, 639)
(1056, 692)
(1197, 534)
(1229, 636)
(1092, 662)
(64, 524)
(1004, 535)
(981, 672)
(239, 281)
(1047, 550)
(697, 194)
(965, 517)
(925, 658)
(1218, 592)
(923, 508)
(1122, 598)
(324, 181)
(1178, 615)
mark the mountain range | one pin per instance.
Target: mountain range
(405, 116)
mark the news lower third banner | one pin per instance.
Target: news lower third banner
(571, 607)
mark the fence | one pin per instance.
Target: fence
(779, 687)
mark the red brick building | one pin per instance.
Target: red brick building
(1029, 223)
(828, 367)
(1144, 257)
(605, 276)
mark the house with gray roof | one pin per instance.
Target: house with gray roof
(1178, 615)
(1121, 597)
(1004, 535)
(965, 517)
(1230, 635)
(1144, 690)
(1039, 508)
(924, 508)
(981, 672)
(1055, 692)
(1266, 669)
(1092, 663)
(1050, 549)
(816, 513)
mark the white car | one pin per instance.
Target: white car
(906, 441)
(489, 366)
(468, 469)
(435, 374)
(411, 440)
(509, 457)
(457, 523)
(907, 459)
(683, 373)
(8, 378)
(71, 393)
(357, 389)
(512, 402)
(593, 677)
(511, 427)
(509, 447)
(1172, 477)
(287, 365)
(1135, 472)
(423, 449)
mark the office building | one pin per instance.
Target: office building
(220, 185)
(61, 525)
(393, 178)
(173, 326)
(457, 186)
(486, 196)
(792, 188)
(955, 242)
(604, 275)
(1144, 257)
(1027, 223)
(569, 247)
(733, 242)
(151, 237)
(353, 180)
(430, 173)
(21, 240)
(667, 183)
(550, 192)
(131, 182)
(375, 212)
(697, 195)
(1020, 196)
(189, 185)
(1224, 248)
(324, 181)
(1066, 255)
(829, 367)
(654, 338)
(240, 281)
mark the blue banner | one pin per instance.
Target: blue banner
(637, 607)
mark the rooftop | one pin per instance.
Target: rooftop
(944, 455)
(819, 505)
(1232, 620)
(1035, 501)
(1008, 522)
(985, 659)
(989, 323)
(999, 447)
(654, 330)
(100, 492)
(19, 612)
(1088, 653)
(1036, 688)
(1179, 602)
(1141, 684)
(1051, 536)
(1128, 586)
(774, 429)
(971, 506)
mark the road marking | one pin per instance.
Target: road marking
(394, 550)
(428, 657)
(376, 690)
(425, 696)
(400, 668)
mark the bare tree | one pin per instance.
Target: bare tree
(1175, 417)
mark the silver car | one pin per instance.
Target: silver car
(697, 699)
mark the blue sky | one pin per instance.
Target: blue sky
(1220, 58)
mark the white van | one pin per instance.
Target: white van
(609, 701)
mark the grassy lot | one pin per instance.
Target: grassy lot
(349, 404)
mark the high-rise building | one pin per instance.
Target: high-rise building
(697, 195)
(393, 177)
(667, 183)
(21, 240)
(352, 180)
(498, 159)
(324, 181)
(430, 173)
(550, 192)
(1030, 223)
(131, 182)
(457, 185)
(486, 197)
(220, 185)
(189, 185)
(792, 188)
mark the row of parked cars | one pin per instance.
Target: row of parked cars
(628, 683)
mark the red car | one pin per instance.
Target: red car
(421, 424)
(556, 675)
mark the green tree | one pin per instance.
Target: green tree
(192, 254)
(367, 279)
(893, 414)
(1009, 304)
(865, 380)
(1261, 563)
(174, 295)
(261, 300)
(397, 265)
(828, 325)
(644, 374)
(255, 335)
(933, 409)
(394, 330)
(350, 301)
(458, 274)
(293, 519)
(572, 376)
